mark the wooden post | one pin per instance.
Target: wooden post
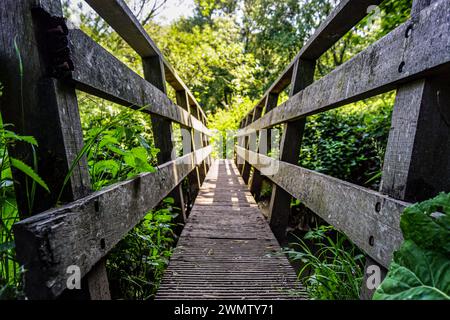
(243, 143)
(264, 148)
(47, 109)
(250, 142)
(280, 203)
(194, 176)
(162, 128)
(417, 159)
(199, 141)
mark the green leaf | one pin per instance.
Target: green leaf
(421, 267)
(106, 165)
(416, 274)
(19, 165)
(13, 136)
(428, 224)
(7, 246)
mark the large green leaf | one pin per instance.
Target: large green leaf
(428, 224)
(416, 274)
(421, 267)
(16, 163)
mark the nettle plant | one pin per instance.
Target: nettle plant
(119, 146)
(10, 270)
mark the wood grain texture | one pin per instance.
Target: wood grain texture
(365, 216)
(81, 233)
(227, 250)
(34, 99)
(291, 141)
(375, 70)
(417, 160)
(100, 73)
(187, 135)
(162, 128)
(411, 149)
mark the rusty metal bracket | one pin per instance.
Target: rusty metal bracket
(53, 42)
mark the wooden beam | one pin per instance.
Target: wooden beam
(36, 100)
(341, 20)
(280, 202)
(250, 144)
(379, 68)
(370, 219)
(162, 128)
(194, 176)
(31, 99)
(265, 145)
(100, 73)
(417, 159)
(83, 232)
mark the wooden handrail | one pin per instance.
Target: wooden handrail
(119, 16)
(373, 71)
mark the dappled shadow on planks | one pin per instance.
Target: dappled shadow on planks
(227, 250)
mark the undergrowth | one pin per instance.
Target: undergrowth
(119, 146)
(331, 266)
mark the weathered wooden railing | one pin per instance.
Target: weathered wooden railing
(41, 101)
(414, 59)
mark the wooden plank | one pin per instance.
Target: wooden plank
(100, 73)
(370, 219)
(280, 202)
(228, 251)
(119, 16)
(83, 232)
(375, 70)
(257, 179)
(265, 147)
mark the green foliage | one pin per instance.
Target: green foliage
(10, 271)
(23, 167)
(349, 143)
(118, 142)
(421, 267)
(119, 146)
(136, 265)
(211, 58)
(225, 121)
(333, 269)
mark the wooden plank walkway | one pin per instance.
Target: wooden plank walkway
(227, 250)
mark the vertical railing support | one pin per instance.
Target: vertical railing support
(194, 176)
(416, 161)
(265, 139)
(31, 99)
(162, 128)
(280, 203)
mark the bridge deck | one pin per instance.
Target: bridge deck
(227, 250)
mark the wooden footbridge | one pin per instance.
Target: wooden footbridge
(227, 248)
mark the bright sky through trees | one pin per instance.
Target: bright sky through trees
(174, 9)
